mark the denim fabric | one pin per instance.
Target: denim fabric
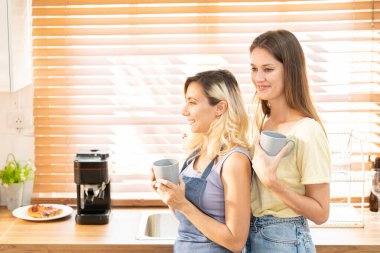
(269, 234)
(190, 239)
(198, 247)
(195, 188)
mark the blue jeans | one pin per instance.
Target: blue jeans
(269, 234)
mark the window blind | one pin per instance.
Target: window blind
(109, 75)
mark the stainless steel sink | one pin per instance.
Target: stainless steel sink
(157, 225)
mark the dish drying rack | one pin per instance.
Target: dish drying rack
(344, 213)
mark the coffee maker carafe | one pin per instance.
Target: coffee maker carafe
(93, 187)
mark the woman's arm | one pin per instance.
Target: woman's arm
(236, 178)
(314, 205)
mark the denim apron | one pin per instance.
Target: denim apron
(191, 240)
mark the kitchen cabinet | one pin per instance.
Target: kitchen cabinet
(4, 56)
(15, 45)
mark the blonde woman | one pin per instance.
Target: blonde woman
(289, 189)
(212, 199)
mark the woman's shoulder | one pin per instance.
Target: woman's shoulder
(235, 155)
(310, 133)
(308, 127)
(237, 150)
(238, 158)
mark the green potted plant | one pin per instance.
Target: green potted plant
(13, 177)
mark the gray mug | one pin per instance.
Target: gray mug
(272, 142)
(166, 169)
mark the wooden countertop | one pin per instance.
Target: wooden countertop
(64, 235)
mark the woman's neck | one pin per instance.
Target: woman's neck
(280, 111)
(204, 147)
(207, 148)
(282, 114)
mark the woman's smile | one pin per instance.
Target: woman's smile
(263, 88)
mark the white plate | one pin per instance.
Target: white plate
(22, 213)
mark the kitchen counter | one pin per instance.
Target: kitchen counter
(64, 235)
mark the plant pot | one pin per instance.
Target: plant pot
(3, 195)
(27, 192)
(14, 196)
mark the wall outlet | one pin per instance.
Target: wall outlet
(15, 120)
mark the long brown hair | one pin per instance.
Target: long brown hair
(285, 47)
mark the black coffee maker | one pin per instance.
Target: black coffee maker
(93, 187)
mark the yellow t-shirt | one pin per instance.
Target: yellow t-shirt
(308, 163)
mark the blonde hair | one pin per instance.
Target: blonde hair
(228, 130)
(285, 47)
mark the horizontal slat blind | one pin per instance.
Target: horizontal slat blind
(109, 75)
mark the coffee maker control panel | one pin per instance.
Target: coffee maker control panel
(91, 167)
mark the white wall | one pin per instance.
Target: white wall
(20, 143)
